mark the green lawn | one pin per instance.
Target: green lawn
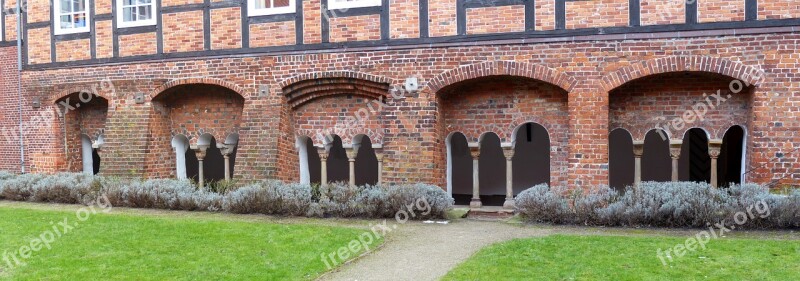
(563, 257)
(166, 247)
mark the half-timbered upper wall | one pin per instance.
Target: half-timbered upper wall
(196, 28)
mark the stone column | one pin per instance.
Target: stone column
(379, 156)
(475, 152)
(675, 154)
(508, 152)
(200, 152)
(352, 153)
(638, 151)
(323, 167)
(714, 147)
(227, 150)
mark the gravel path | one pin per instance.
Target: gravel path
(416, 251)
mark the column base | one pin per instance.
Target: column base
(509, 204)
(475, 204)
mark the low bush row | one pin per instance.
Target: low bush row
(662, 204)
(417, 201)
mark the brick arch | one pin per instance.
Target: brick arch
(307, 87)
(747, 74)
(334, 74)
(60, 94)
(497, 68)
(205, 80)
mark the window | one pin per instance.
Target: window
(346, 4)
(270, 7)
(72, 16)
(136, 13)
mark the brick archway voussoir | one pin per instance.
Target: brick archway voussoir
(198, 80)
(497, 68)
(57, 95)
(334, 74)
(747, 74)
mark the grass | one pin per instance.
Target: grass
(564, 257)
(166, 247)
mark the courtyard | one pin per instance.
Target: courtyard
(144, 244)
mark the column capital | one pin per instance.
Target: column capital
(200, 151)
(474, 150)
(352, 153)
(379, 154)
(714, 148)
(638, 148)
(508, 152)
(323, 153)
(226, 149)
(675, 148)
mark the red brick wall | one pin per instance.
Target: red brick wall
(138, 44)
(413, 123)
(355, 28)
(404, 19)
(778, 9)
(345, 115)
(655, 102)
(597, 13)
(654, 12)
(225, 28)
(272, 34)
(442, 17)
(720, 10)
(183, 32)
(496, 19)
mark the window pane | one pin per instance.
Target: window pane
(80, 20)
(66, 21)
(282, 3)
(261, 4)
(128, 2)
(66, 6)
(127, 14)
(144, 1)
(78, 6)
(144, 12)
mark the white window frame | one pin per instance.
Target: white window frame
(121, 23)
(252, 11)
(57, 22)
(334, 5)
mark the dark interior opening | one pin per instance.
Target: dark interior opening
(730, 158)
(656, 162)
(695, 164)
(621, 164)
(531, 161)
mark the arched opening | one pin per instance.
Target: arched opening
(366, 165)
(214, 162)
(656, 162)
(620, 159)
(675, 102)
(95, 162)
(87, 155)
(309, 160)
(459, 169)
(695, 164)
(531, 161)
(338, 164)
(492, 174)
(731, 157)
(194, 111)
(84, 117)
(504, 104)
